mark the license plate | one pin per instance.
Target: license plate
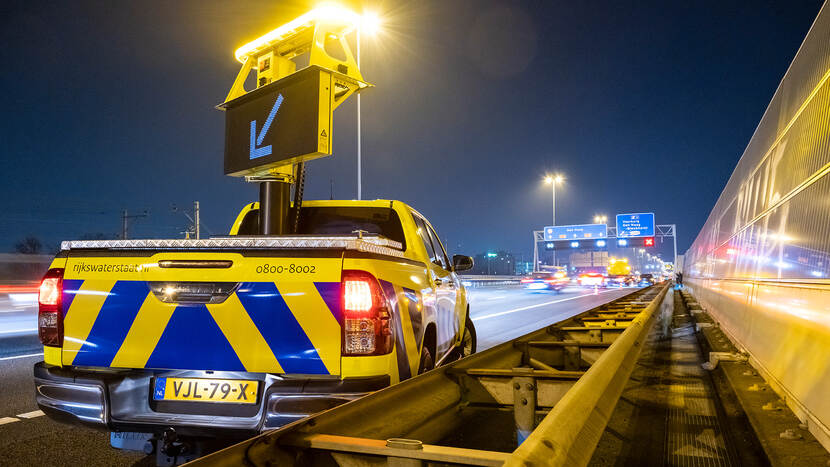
(205, 390)
(129, 440)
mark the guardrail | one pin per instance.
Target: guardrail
(489, 281)
(474, 411)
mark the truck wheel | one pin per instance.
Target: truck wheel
(469, 341)
(427, 362)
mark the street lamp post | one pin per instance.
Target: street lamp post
(359, 181)
(371, 22)
(553, 180)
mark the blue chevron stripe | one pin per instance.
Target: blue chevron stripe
(415, 316)
(404, 372)
(193, 341)
(276, 323)
(330, 293)
(70, 289)
(112, 323)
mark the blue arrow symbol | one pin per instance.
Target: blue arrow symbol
(257, 140)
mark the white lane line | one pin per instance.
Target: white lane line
(507, 312)
(18, 330)
(35, 414)
(21, 356)
(7, 420)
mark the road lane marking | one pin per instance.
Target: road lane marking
(21, 356)
(7, 420)
(507, 312)
(35, 414)
(18, 330)
(499, 297)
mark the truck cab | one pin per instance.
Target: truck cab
(243, 333)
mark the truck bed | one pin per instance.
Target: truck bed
(369, 244)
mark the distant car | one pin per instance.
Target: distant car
(620, 281)
(646, 280)
(591, 279)
(547, 280)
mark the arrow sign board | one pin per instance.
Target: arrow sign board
(635, 225)
(284, 122)
(575, 232)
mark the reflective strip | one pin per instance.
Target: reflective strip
(407, 353)
(70, 287)
(412, 304)
(313, 315)
(89, 297)
(414, 354)
(112, 324)
(145, 333)
(244, 337)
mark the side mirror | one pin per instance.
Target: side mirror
(461, 263)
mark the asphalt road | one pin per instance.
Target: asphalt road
(29, 438)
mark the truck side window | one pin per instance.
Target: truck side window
(424, 234)
(439, 249)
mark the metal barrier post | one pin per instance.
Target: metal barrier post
(524, 403)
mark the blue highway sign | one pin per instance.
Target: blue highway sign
(635, 225)
(575, 232)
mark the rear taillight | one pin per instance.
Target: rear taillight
(365, 315)
(49, 316)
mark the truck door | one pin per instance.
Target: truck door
(447, 292)
(445, 289)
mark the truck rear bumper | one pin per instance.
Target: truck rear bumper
(121, 400)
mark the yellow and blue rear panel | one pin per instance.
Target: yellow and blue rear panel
(271, 323)
(262, 327)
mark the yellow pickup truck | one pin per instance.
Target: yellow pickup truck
(238, 334)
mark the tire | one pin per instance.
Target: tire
(427, 361)
(468, 341)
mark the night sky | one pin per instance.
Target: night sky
(642, 106)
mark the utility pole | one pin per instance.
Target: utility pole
(124, 218)
(196, 215)
(674, 239)
(195, 221)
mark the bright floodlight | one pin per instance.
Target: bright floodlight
(370, 23)
(325, 12)
(554, 179)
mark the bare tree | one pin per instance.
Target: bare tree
(29, 246)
